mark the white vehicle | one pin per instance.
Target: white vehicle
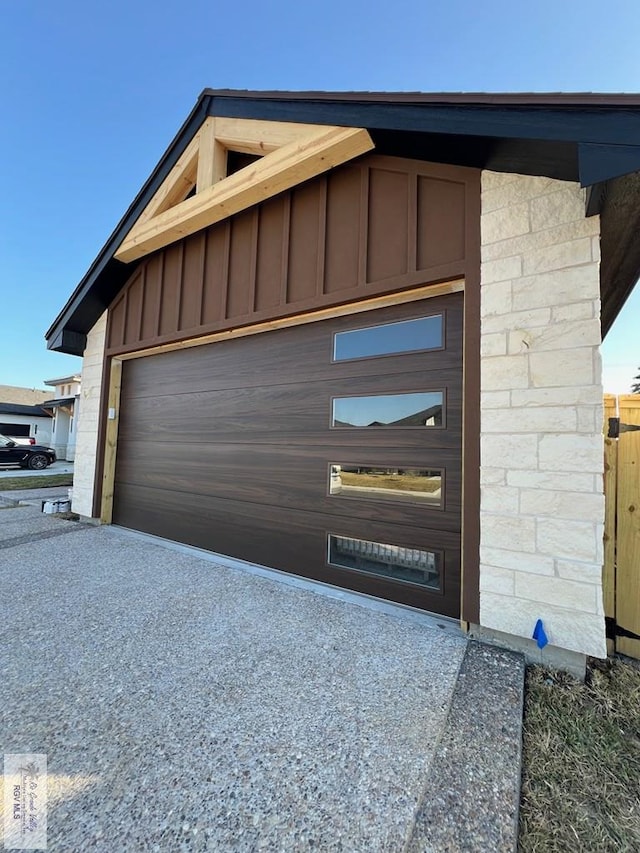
(22, 439)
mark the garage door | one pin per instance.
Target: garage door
(331, 450)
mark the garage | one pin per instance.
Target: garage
(329, 449)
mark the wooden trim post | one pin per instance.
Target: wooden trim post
(111, 440)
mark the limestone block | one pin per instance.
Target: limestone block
(502, 269)
(580, 596)
(557, 208)
(499, 498)
(82, 501)
(597, 367)
(580, 395)
(579, 571)
(539, 419)
(527, 243)
(509, 451)
(574, 311)
(536, 564)
(557, 256)
(577, 506)
(515, 320)
(493, 344)
(571, 540)
(570, 629)
(492, 476)
(580, 453)
(511, 193)
(561, 481)
(495, 299)
(491, 180)
(556, 336)
(502, 373)
(495, 400)
(557, 287)
(504, 223)
(562, 368)
(599, 556)
(590, 419)
(512, 533)
(495, 579)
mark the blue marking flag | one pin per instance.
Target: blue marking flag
(539, 635)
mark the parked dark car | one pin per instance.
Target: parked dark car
(32, 456)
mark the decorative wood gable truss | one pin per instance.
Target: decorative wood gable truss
(289, 154)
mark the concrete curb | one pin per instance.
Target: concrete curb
(472, 799)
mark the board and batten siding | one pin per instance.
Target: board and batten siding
(542, 503)
(86, 456)
(372, 227)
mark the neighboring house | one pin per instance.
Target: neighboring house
(65, 408)
(467, 251)
(19, 420)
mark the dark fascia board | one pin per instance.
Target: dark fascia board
(488, 98)
(531, 132)
(596, 119)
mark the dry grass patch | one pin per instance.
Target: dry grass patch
(581, 760)
(12, 484)
(401, 483)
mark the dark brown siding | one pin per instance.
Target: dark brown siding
(227, 447)
(375, 226)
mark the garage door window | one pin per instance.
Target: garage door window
(401, 485)
(389, 410)
(423, 333)
(409, 565)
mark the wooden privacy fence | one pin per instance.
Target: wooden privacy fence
(621, 578)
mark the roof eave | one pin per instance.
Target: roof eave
(597, 133)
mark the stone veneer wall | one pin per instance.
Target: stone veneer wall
(87, 429)
(542, 506)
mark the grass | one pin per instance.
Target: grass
(11, 484)
(581, 760)
(404, 483)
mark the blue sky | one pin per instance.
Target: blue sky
(92, 93)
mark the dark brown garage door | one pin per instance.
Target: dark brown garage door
(331, 450)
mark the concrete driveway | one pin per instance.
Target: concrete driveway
(185, 705)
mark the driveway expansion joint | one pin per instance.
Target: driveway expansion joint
(45, 534)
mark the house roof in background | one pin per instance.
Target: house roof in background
(29, 411)
(592, 138)
(63, 380)
(60, 401)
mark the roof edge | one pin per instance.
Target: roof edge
(488, 98)
(156, 177)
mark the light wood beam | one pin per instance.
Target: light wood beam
(276, 172)
(251, 136)
(212, 157)
(178, 183)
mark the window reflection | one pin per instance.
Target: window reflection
(395, 484)
(423, 333)
(389, 410)
(411, 565)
